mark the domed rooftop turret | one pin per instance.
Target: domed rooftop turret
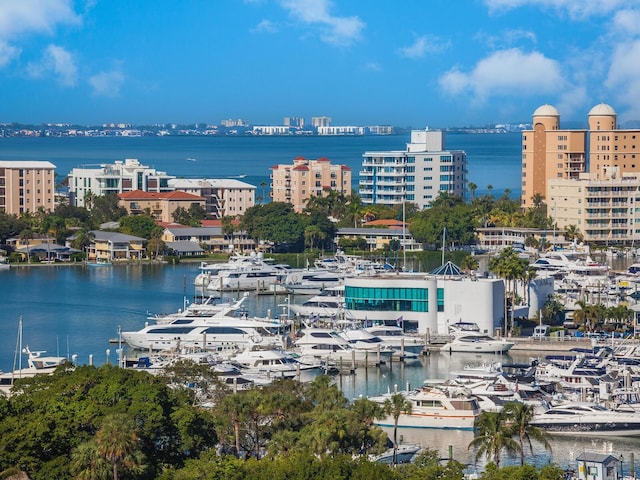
(546, 110)
(602, 109)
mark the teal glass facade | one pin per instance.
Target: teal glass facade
(387, 299)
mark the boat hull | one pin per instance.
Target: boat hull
(477, 347)
(439, 420)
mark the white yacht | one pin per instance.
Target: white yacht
(208, 308)
(221, 333)
(362, 340)
(326, 345)
(398, 339)
(328, 304)
(468, 338)
(435, 407)
(272, 361)
(587, 419)
(37, 364)
(260, 276)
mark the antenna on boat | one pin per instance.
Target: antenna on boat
(444, 236)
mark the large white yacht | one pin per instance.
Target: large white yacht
(398, 339)
(328, 304)
(327, 345)
(37, 364)
(587, 419)
(222, 332)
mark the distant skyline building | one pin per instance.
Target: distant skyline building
(417, 174)
(115, 178)
(224, 197)
(296, 183)
(26, 185)
(317, 122)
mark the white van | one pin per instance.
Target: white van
(541, 331)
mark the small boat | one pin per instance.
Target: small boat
(190, 159)
(403, 453)
(100, 262)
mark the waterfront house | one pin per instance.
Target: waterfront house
(109, 246)
(209, 237)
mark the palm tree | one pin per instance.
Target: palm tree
(396, 406)
(117, 443)
(86, 464)
(472, 189)
(520, 416)
(493, 436)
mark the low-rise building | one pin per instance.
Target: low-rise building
(114, 178)
(26, 186)
(160, 206)
(212, 238)
(223, 197)
(110, 246)
(379, 238)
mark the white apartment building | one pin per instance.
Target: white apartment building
(417, 174)
(115, 178)
(341, 130)
(224, 197)
(605, 211)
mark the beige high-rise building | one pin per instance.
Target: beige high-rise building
(549, 153)
(296, 183)
(25, 186)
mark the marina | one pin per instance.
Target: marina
(77, 310)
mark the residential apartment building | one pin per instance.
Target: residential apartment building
(210, 237)
(417, 174)
(115, 178)
(223, 197)
(25, 186)
(297, 183)
(159, 205)
(604, 210)
(549, 153)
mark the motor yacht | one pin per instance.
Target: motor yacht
(395, 336)
(220, 333)
(327, 345)
(435, 407)
(467, 337)
(587, 419)
(273, 361)
(37, 364)
(327, 304)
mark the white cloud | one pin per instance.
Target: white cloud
(504, 73)
(422, 45)
(266, 26)
(19, 17)
(626, 22)
(373, 66)
(7, 53)
(624, 76)
(41, 16)
(575, 9)
(334, 30)
(58, 62)
(107, 84)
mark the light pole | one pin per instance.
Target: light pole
(621, 460)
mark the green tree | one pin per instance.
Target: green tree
(275, 222)
(117, 443)
(472, 189)
(493, 436)
(396, 406)
(519, 417)
(140, 226)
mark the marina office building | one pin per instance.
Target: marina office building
(417, 174)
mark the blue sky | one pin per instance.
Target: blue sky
(416, 63)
